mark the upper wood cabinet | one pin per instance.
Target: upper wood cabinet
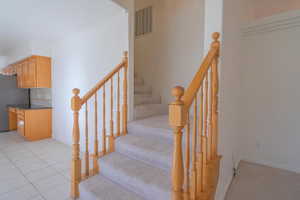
(32, 72)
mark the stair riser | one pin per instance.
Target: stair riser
(152, 158)
(139, 129)
(141, 99)
(148, 110)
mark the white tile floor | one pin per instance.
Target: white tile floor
(33, 170)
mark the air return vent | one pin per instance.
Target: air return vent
(143, 21)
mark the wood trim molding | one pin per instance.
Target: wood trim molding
(283, 21)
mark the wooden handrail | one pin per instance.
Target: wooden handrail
(100, 84)
(196, 83)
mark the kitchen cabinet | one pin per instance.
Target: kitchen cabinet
(32, 72)
(32, 124)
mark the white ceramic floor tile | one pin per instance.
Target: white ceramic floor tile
(27, 167)
(62, 166)
(41, 174)
(25, 171)
(49, 183)
(61, 192)
(27, 192)
(9, 184)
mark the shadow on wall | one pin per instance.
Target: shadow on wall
(9, 94)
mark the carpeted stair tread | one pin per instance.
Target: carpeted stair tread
(147, 181)
(100, 188)
(156, 151)
(156, 125)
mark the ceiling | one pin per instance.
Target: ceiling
(48, 20)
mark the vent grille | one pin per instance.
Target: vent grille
(143, 21)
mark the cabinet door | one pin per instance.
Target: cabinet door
(43, 72)
(25, 73)
(30, 73)
(12, 120)
(19, 75)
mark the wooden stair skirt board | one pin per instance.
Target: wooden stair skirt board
(138, 164)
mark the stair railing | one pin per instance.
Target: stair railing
(77, 103)
(195, 174)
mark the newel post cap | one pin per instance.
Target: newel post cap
(178, 92)
(216, 42)
(177, 114)
(76, 100)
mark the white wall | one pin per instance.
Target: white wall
(228, 16)
(32, 47)
(80, 61)
(270, 80)
(171, 55)
(3, 61)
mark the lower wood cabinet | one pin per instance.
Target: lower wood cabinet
(33, 124)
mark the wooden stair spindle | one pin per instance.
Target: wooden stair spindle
(76, 161)
(87, 154)
(215, 92)
(186, 191)
(118, 108)
(111, 137)
(96, 141)
(125, 82)
(177, 119)
(206, 122)
(194, 151)
(104, 123)
(200, 153)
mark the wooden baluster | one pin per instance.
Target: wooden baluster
(111, 137)
(194, 151)
(87, 154)
(76, 162)
(206, 119)
(104, 123)
(118, 108)
(187, 161)
(200, 156)
(205, 144)
(125, 105)
(215, 91)
(177, 119)
(96, 151)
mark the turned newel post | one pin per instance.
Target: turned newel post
(177, 119)
(76, 162)
(125, 90)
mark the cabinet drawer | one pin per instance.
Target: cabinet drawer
(13, 110)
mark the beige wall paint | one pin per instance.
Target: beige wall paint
(171, 55)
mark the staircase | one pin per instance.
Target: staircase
(146, 104)
(138, 169)
(159, 157)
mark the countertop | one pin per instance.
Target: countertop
(27, 107)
